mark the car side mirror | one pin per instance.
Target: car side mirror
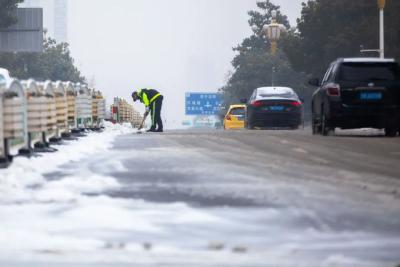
(314, 82)
(243, 100)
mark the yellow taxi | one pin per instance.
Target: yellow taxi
(234, 118)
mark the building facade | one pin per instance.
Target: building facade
(61, 20)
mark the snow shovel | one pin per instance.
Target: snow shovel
(140, 131)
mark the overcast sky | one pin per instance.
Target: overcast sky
(171, 45)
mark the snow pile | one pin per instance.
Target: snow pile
(25, 174)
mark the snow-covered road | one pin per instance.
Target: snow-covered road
(200, 199)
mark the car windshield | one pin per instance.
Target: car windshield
(237, 112)
(369, 72)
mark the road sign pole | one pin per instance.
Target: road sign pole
(381, 5)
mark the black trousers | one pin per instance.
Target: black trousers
(156, 114)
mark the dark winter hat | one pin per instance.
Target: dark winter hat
(135, 96)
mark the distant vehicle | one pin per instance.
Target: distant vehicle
(186, 123)
(205, 121)
(358, 93)
(234, 118)
(274, 107)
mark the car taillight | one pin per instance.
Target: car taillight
(257, 104)
(295, 103)
(228, 118)
(333, 90)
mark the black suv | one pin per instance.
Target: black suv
(358, 93)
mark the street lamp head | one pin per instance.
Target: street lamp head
(273, 14)
(273, 32)
(255, 29)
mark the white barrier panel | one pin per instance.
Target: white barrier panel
(71, 104)
(84, 106)
(61, 108)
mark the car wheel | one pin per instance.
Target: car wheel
(390, 131)
(249, 125)
(314, 126)
(325, 128)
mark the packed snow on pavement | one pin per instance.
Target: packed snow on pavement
(66, 220)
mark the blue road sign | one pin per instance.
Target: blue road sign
(203, 103)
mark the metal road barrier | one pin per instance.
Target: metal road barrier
(71, 105)
(14, 117)
(47, 89)
(122, 111)
(84, 106)
(34, 115)
(37, 114)
(61, 108)
(98, 109)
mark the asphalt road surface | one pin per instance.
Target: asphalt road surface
(258, 198)
(309, 198)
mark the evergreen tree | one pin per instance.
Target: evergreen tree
(55, 63)
(7, 9)
(331, 29)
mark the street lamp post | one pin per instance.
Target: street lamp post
(381, 5)
(273, 32)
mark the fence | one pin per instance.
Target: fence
(34, 114)
(122, 111)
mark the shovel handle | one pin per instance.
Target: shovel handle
(144, 118)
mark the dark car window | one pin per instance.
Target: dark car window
(237, 112)
(369, 72)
